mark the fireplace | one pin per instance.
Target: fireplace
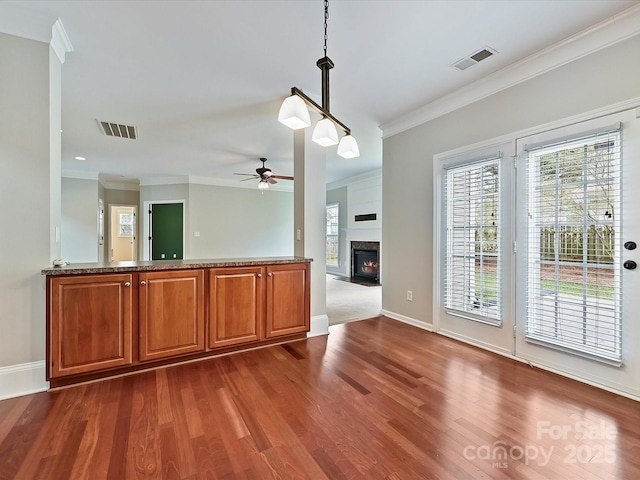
(365, 262)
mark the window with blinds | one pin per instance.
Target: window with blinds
(573, 298)
(472, 267)
(332, 253)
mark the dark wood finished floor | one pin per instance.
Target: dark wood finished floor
(376, 399)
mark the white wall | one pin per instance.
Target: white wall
(28, 116)
(231, 222)
(79, 230)
(603, 78)
(309, 170)
(161, 193)
(363, 196)
(239, 222)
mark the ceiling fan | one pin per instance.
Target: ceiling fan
(265, 175)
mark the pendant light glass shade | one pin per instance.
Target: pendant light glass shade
(348, 147)
(325, 133)
(294, 113)
(263, 185)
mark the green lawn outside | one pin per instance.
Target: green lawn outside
(490, 290)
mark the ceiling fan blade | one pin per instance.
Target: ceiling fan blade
(250, 174)
(267, 173)
(271, 180)
(283, 177)
(251, 178)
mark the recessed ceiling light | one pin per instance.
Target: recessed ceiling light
(80, 158)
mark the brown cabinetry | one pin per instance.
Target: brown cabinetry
(101, 324)
(171, 316)
(247, 304)
(236, 305)
(91, 323)
(287, 299)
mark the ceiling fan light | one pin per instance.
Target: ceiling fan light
(325, 133)
(294, 113)
(348, 147)
(263, 185)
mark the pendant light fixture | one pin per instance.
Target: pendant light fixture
(295, 114)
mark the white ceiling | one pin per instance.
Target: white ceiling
(203, 80)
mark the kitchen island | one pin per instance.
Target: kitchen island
(106, 319)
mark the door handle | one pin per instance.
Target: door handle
(127, 284)
(143, 283)
(259, 275)
(269, 274)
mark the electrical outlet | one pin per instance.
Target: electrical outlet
(410, 295)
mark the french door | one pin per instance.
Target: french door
(578, 192)
(563, 294)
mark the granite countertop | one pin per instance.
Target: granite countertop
(146, 266)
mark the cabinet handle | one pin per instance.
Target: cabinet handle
(143, 283)
(127, 284)
(259, 275)
(270, 274)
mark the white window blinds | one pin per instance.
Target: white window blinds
(472, 280)
(332, 253)
(573, 290)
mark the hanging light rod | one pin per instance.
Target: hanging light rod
(319, 109)
(294, 113)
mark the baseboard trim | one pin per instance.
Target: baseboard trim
(319, 326)
(533, 364)
(470, 341)
(408, 320)
(23, 379)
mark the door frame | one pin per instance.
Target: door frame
(109, 220)
(146, 226)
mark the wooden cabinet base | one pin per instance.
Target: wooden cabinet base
(104, 374)
(105, 325)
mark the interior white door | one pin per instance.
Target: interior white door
(563, 273)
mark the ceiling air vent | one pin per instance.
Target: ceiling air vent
(119, 130)
(474, 58)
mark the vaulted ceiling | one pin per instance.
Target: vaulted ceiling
(203, 80)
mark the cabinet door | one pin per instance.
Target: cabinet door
(288, 308)
(236, 305)
(90, 321)
(171, 313)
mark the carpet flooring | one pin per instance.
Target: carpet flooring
(349, 301)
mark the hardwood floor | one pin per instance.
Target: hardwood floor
(376, 399)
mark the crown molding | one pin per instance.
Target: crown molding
(60, 40)
(613, 30)
(128, 186)
(79, 174)
(169, 180)
(212, 181)
(24, 23)
(343, 182)
(281, 186)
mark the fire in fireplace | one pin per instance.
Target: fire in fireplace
(366, 264)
